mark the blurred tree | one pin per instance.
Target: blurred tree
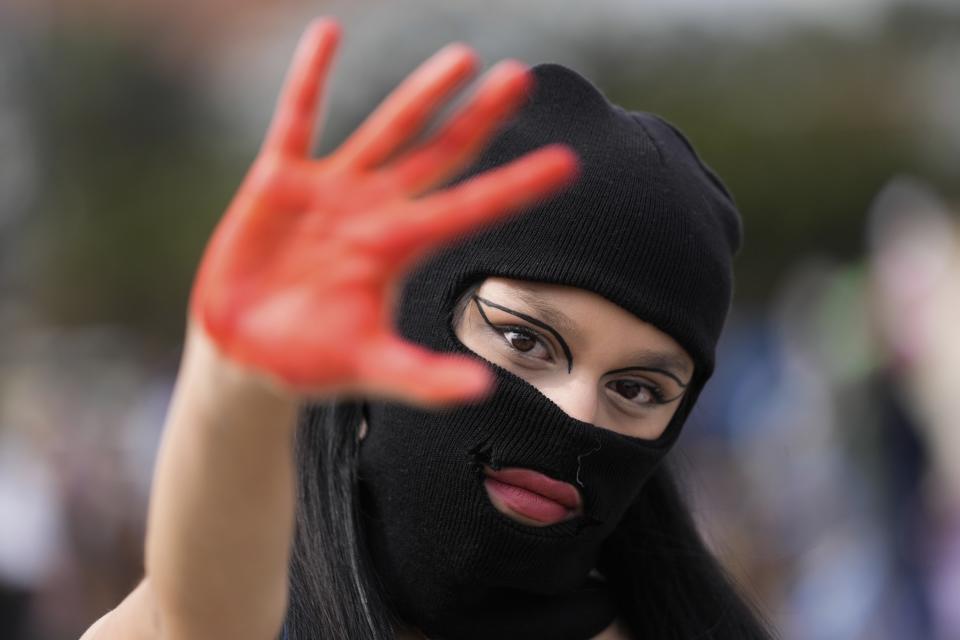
(804, 122)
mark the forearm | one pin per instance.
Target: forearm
(296, 281)
(220, 523)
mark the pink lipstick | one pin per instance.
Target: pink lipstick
(531, 495)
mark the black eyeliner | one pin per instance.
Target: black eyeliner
(663, 371)
(658, 393)
(563, 343)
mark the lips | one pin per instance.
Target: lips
(531, 495)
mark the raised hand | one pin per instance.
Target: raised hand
(297, 279)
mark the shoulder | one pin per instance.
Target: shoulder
(616, 631)
(135, 618)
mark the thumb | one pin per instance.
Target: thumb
(394, 368)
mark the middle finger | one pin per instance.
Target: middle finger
(407, 109)
(466, 133)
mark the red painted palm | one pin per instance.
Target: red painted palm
(297, 280)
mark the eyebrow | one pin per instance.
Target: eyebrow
(669, 364)
(548, 312)
(657, 361)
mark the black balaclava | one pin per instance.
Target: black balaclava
(646, 225)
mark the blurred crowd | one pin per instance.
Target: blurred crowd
(822, 459)
(825, 454)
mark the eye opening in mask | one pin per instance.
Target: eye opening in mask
(462, 296)
(638, 380)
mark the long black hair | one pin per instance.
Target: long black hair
(667, 583)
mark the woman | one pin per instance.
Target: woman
(492, 470)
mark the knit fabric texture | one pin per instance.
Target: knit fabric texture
(648, 226)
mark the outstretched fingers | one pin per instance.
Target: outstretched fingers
(409, 107)
(291, 130)
(462, 137)
(485, 198)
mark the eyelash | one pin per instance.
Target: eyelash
(502, 330)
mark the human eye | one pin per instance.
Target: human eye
(523, 341)
(638, 393)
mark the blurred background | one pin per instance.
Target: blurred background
(823, 460)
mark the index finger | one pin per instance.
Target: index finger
(499, 192)
(291, 129)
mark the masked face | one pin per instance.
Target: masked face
(483, 516)
(649, 228)
(597, 362)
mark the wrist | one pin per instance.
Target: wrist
(225, 391)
